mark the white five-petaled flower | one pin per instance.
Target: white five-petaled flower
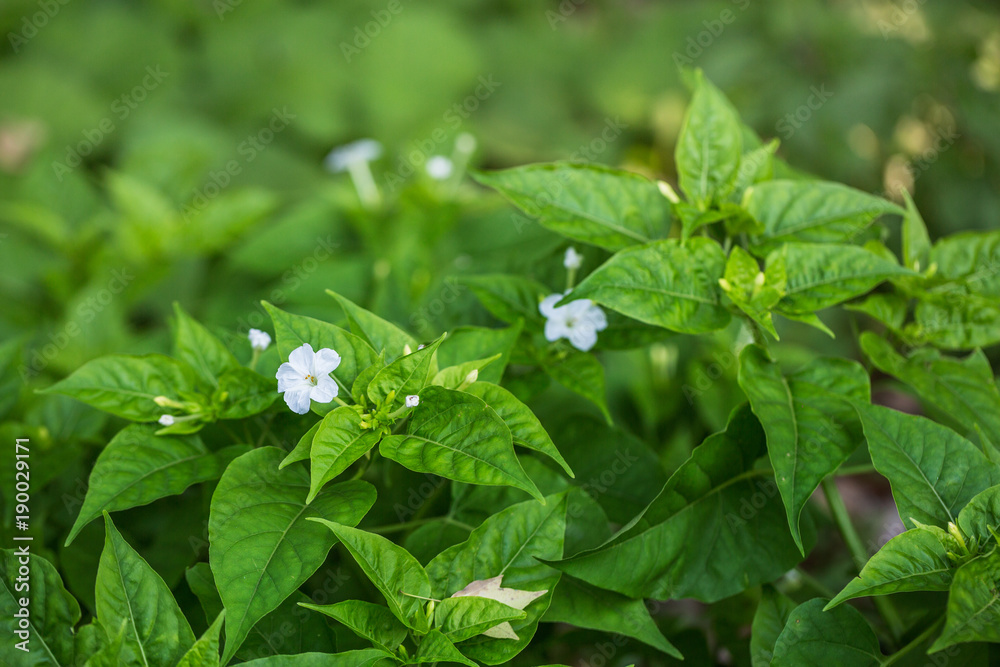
(259, 340)
(166, 420)
(578, 321)
(512, 597)
(439, 167)
(412, 401)
(573, 260)
(306, 376)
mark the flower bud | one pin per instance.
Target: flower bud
(412, 401)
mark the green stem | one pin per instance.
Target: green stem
(917, 641)
(853, 541)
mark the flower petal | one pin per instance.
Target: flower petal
(325, 361)
(298, 401)
(555, 329)
(289, 378)
(583, 337)
(324, 391)
(301, 359)
(548, 305)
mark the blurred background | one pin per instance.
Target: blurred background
(174, 150)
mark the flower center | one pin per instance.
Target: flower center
(311, 379)
(570, 322)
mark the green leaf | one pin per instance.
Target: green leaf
(810, 431)
(114, 651)
(359, 390)
(129, 591)
(973, 604)
(205, 652)
(372, 622)
(578, 603)
(465, 343)
(260, 557)
(769, 620)
(300, 631)
(755, 166)
(51, 612)
(338, 442)
(453, 377)
(292, 331)
(664, 283)
(457, 436)
(200, 348)
(933, 471)
(369, 657)
(380, 334)
(811, 211)
(509, 543)
(840, 636)
(716, 528)
(406, 375)
(200, 580)
(435, 648)
(392, 569)
(592, 204)
(747, 287)
(981, 517)
(820, 276)
(582, 374)
(916, 560)
(243, 393)
(971, 260)
(125, 385)
(962, 390)
(302, 448)
(887, 308)
(509, 298)
(138, 467)
(525, 429)
(916, 240)
(709, 146)
(958, 322)
(465, 617)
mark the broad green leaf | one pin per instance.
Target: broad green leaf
(840, 636)
(973, 604)
(359, 390)
(916, 240)
(465, 343)
(50, 614)
(338, 442)
(392, 569)
(126, 385)
(138, 467)
(369, 621)
(369, 657)
(709, 146)
(957, 322)
(810, 431)
(299, 630)
(717, 527)
(963, 390)
(243, 393)
(916, 560)
(756, 165)
(981, 517)
(260, 557)
(582, 374)
(812, 211)
(380, 334)
(457, 436)
(747, 287)
(90, 640)
(971, 260)
(509, 298)
(605, 207)
(578, 603)
(302, 448)
(128, 590)
(453, 377)
(885, 307)
(820, 276)
(511, 543)
(664, 283)
(769, 620)
(292, 331)
(933, 471)
(465, 617)
(200, 348)
(435, 648)
(205, 652)
(114, 651)
(434, 537)
(406, 375)
(525, 429)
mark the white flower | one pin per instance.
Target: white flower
(166, 420)
(259, 340)
(439, 167)
(363, 150)
(306, 375)
(512, 597)
(579, 321)
(412, 401)
(573, 259)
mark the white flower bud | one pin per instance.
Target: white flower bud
(259, 340)
(412, 401)
(573, 260)
(407, 349)
(166, 420)
(439, 167)
(472, 376)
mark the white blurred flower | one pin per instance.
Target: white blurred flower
(439, 167)
(362, 150)
(166, 420)
(578, 321)
(306, 376)
(259, 340)
(412, 401)
(573, 260)
(512, 597)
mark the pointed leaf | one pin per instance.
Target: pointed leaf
(338, 442)
(465, 343)
(461, 618)
(840, 636)
(302, 448)
(973, 604)
(380, 334)
(435, 648)
(205, 652)
(406, 375)
(981, 517)
(200, 348)
(772, 613)
(582, 374)
(916, 240)
(369, 621)
(368, 657)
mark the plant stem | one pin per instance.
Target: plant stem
(853, 541)
(865, 469)
(917, 641)
(416, 523)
